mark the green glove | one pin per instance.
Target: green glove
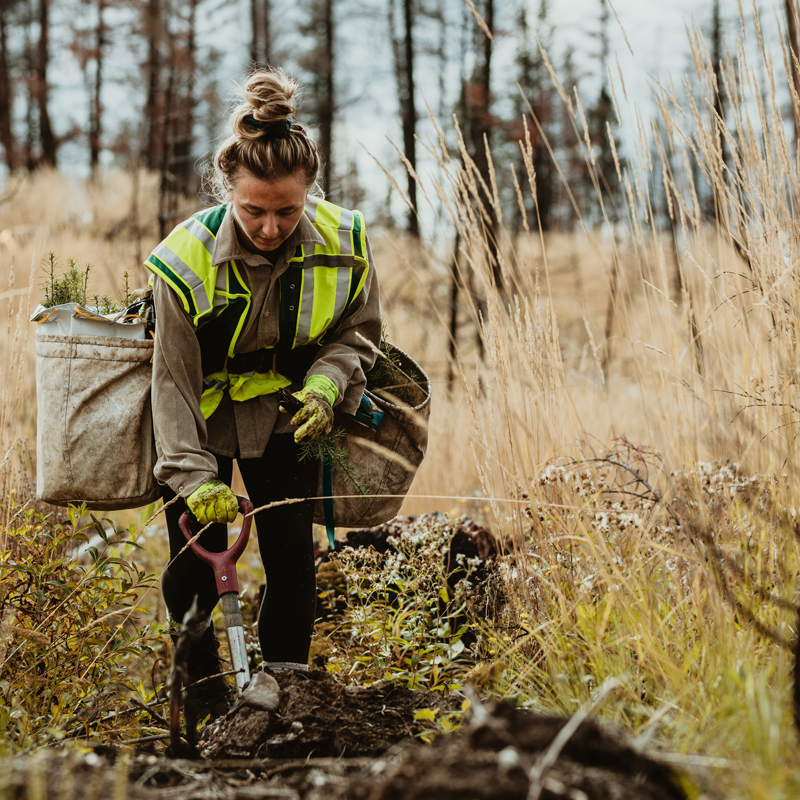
(315, 418)
(213, 502)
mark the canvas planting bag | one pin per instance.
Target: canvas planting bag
(94, 439)
(95, 444)
(385, 442)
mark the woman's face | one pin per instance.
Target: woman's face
(267, 211)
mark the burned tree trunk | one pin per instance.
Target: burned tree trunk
(326, 100)
(46, 138)
(260, 31)
(478, 122)
(794, 61)
(152, 25)
(254, 31)
(408, 112)
(717, 55)
(319, 62)
(6, 93)
(95, 104)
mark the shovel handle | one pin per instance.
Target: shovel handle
(224, 563)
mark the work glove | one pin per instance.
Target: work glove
(213, 502)
(315, 418)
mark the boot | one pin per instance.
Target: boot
(212, 697)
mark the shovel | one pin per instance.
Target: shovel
(224, 566)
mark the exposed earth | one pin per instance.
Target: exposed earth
(295, 736)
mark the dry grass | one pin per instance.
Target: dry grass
(700, 367)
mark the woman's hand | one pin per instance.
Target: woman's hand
(213, 502)
(315, 418)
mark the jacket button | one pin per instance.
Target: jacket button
(291, 286)
(291, 308)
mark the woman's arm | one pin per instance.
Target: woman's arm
(345, 358)
(180, 429)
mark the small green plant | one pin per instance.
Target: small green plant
(333, 449)
(441, 722)
(72, 286)
(69, 634)
(392, 376)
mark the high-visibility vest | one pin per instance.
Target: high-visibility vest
(321, 282)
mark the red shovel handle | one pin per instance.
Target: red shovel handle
(224, 563)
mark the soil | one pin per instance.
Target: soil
(312, 715)
(502, 753)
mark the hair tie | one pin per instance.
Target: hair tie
(280, 127)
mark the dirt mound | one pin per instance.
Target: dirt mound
(503, 753)
(506, 753)
(295, 715)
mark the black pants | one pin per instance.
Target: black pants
(286, 617)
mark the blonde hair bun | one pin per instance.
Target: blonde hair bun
(266, 140)
(266, 98)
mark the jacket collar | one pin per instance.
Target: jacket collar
(228, 248)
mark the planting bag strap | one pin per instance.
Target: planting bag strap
(327, 502)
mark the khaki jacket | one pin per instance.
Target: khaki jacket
(185, 441)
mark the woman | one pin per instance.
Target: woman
(273, 288)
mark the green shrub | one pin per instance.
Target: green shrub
(396, 616)
(70, 639)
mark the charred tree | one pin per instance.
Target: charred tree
(254, 31)
(31, 100)
(326, 98)
(536, 106)
(183, 127)
(602, 122)
(404, 52)
(793, 40)
(47, 139)
(153, 23)
(89, 46)
(319, 62)
(96, 105)
(178, 176)
(720, 99)
(260, 31)
(478, 127)
(6, 91)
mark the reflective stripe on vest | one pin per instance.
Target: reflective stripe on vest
(325, 293)
(321, 282)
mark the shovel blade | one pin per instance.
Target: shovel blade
(238, 655)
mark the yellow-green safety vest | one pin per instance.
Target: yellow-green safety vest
(315, 291)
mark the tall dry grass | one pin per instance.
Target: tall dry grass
(588, 446)
(647, 480)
